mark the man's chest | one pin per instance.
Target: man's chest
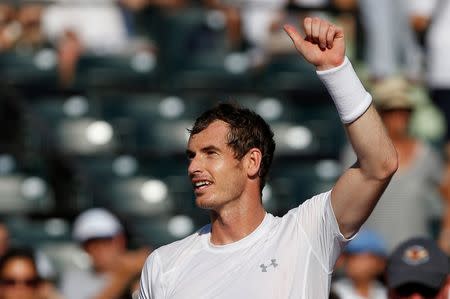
(266, 271)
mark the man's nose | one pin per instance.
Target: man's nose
(194, 166)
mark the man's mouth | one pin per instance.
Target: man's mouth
(201, 185)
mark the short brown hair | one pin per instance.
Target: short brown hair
(247, 130)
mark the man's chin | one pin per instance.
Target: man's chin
(204, 204)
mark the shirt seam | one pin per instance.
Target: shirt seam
(327, 271)
(163, 274)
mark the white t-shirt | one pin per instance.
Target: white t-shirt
(288, 257)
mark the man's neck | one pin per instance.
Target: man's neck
(235, 223)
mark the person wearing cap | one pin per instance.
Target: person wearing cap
(364, 262)
(412, 198)
(114, 268)
(418, 269)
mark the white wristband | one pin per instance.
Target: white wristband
(346, 90)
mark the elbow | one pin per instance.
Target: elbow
(388, 167)
(382, 170)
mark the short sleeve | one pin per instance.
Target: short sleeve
(151, 285)
(318, 222)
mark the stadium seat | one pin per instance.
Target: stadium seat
(29, 69)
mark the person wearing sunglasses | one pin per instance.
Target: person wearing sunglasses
(18, 275)
(418, 269)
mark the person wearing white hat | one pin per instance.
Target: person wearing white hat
(114, 268)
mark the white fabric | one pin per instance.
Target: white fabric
(390, 45)
(438, 43)
(257, 16)
(346, 90)
(288, 257)
(437, 40)
(100, 27)
(422, 8)
(78, 284)
(345, 290)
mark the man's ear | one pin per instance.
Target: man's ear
(253, 162)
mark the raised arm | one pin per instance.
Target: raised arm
(357, 191)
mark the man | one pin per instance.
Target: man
(246, 252)
(114, 269)
(418, 269)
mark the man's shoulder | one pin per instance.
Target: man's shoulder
(314, 202)
(190, 243)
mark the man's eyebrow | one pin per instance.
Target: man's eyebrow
(210, 148)
(205, 149)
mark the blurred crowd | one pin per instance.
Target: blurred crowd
(113, 270)
(403, 49)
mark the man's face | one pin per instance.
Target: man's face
(396, 121)
(18, 279)
(217, 176)
(364, 266)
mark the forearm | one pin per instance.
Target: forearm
(366, 133)
(360, 187)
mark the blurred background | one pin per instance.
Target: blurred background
(96, 97)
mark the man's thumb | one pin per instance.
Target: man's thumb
(296, 38)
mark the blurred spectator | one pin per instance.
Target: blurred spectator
(29, 16)
(4, 238)
(254, 23)
(418, 269)
(18, 275)
(405, 208)
(9, 28)
(100, 27)
(48, 277)
(365, 260)
(20, 27)
(391, 46)
(233, 20)
(114, 269)
(431, 19)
